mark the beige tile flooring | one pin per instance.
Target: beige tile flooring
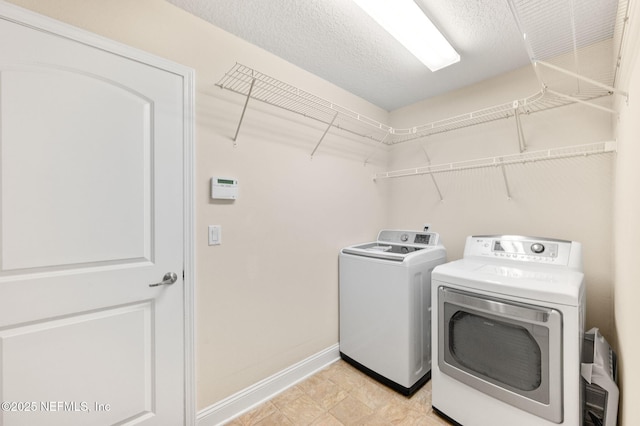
(341, 395)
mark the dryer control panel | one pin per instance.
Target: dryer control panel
(525, 249)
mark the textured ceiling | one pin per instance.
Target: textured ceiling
(337, 41)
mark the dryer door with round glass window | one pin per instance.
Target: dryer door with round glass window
(508, 350)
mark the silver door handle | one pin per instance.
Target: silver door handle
(168, 279)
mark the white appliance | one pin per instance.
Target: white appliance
(385, 302)
(508, 331)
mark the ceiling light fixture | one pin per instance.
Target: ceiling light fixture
(405, 21)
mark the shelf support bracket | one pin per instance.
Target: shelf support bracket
(506, 181)
(244, 109)
(580, 101)
(433, 179)
(324, 134)
(381, 141)
(521, 140)
(583, 78)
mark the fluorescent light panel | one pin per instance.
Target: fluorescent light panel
(405, 21)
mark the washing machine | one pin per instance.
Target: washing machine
(385, 306)
(508, 329)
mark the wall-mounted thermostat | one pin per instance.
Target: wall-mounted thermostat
(224, 188)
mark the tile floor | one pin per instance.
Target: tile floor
(341, 395)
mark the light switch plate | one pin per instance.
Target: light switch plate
(215, 235)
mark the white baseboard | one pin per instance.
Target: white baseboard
(243, 401)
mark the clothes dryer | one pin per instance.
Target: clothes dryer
(385, 304)
(508, 330)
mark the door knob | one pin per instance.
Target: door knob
(168, 279)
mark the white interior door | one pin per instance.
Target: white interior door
(91, 212)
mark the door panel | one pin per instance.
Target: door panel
(93, 182)
(91, 213)
(111, 348)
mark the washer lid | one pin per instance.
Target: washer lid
(397, 245)
(383, 250)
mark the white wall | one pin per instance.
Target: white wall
(567, 199)
(627, 226)
(268, 296)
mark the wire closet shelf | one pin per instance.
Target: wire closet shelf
(576, 65)
(256, 85)
(505, 160)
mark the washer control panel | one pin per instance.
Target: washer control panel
(521, 249)
(408, 237)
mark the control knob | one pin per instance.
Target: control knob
(537, 248)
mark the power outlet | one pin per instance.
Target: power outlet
(215, 235)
